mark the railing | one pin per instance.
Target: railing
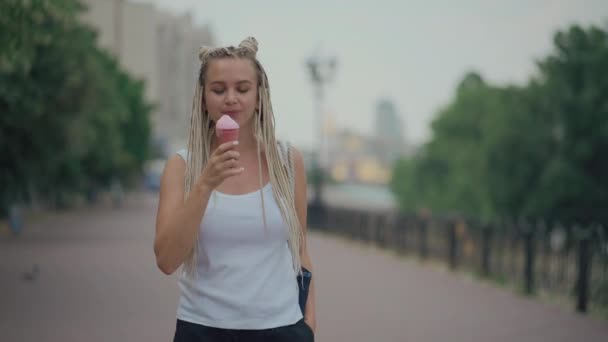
(538, 258)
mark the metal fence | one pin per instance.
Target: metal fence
(569, 262)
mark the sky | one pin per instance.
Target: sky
(411, 52)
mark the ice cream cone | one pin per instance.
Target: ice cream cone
(227, 129)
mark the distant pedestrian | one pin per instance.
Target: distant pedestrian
(15, 219)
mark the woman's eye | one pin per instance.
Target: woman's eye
(243, 90)
(217, 91)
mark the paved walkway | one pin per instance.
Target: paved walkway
(97, 281)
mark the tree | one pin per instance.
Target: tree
(573, 87)
(533, 151)
(70, 117)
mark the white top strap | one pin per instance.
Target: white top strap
(183, 153)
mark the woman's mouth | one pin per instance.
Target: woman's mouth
(232, 114)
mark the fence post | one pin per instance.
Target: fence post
(377, 237)
(371, 225)
(401, 226)
(424, 222)
(390, 237)
(452, 258)
(355, 217)
(405, 225)
(584, 270)
(528, 234)
(363, 226)
(317, 215)
(486, 239)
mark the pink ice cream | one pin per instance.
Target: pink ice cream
(227, 129)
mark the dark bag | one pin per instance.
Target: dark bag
(303, 286)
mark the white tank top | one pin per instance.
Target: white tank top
(245, 278)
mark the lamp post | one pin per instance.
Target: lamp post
(322, 70)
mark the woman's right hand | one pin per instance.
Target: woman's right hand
(223, 163)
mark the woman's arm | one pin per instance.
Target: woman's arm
(301, 202)
(177, 221)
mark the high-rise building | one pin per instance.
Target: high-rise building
(179, 43)
(160, 48)
(389, 133)
(389, 126)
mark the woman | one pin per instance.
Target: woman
(233, 214)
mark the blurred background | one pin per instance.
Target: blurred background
(465, 137)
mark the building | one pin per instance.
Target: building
(355, 158)
(389, 133)
(179, 43)
(162, 49)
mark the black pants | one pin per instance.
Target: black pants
(190, 332)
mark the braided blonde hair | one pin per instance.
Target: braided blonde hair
(202, 129)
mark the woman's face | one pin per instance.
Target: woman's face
(231, 88)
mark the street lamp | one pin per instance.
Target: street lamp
(322, 70)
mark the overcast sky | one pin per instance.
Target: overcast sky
(413, 52)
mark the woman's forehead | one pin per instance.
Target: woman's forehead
(230, 70)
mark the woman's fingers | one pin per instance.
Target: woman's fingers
(232, 172)
(218, 162)
(226, 147)
(224, 163)
(230, 163)
(228, 155)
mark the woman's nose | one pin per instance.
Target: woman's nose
(230, 97)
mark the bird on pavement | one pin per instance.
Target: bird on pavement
(31, 275)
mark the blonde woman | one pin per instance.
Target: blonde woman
(234, 214)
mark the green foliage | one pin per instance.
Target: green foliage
(71, 119)
(533, 151)
(575, 102)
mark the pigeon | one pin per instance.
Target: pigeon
(31, 275)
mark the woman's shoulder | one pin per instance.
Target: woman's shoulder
(176, 162)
